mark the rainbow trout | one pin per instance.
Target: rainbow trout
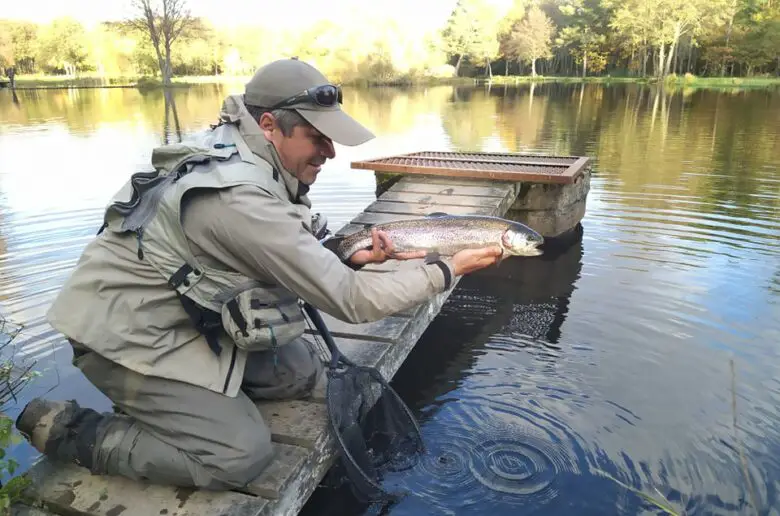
(445, 235)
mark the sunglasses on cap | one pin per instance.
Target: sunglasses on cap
(326, 95)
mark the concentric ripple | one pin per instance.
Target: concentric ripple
(510, 467)
(492, 451)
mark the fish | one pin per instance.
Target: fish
(442, 234)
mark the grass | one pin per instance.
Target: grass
(93, 80)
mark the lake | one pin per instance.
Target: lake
(540, 377)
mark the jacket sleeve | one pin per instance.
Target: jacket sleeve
(255, 233)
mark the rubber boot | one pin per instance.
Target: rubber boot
(61, 430)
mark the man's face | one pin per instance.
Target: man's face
(303, 152)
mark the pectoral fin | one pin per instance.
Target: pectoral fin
(501, 258)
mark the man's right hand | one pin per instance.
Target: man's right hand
(471, 260)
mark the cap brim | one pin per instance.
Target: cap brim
(337, 125)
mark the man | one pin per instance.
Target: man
(184, 310)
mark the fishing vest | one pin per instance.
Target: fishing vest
(256, 316)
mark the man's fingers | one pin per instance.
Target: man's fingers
(387, 244)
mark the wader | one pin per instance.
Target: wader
(169, 432)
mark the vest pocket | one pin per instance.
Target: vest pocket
(257, 321)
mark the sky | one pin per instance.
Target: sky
(429, 13)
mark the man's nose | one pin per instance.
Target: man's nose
(328, 150)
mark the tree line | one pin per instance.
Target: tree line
(636, 38)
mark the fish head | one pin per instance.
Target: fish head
(520, 240)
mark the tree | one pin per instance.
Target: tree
(584, 31)
(24, 44)
(63, 46)
(163, 24)
(531, 38)
(507, 24)
(472, 31)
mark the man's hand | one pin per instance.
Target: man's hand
(471, 260)
(381, 250)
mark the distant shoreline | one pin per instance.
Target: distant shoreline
(39, 82)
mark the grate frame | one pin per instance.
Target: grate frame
(532, 168)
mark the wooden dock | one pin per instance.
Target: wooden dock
(304, 446)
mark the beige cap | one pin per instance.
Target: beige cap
(280, 80)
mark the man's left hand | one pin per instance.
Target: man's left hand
(381, 250)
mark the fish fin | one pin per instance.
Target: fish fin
(432, 257)
(438, 214)
(501, 258)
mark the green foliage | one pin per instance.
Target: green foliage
(531, 38)
(12, 380)
(12, 490)
(364, 44)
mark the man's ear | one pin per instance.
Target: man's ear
(267, 124)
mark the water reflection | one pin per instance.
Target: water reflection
(611, 352)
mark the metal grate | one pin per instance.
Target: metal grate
(482, 165)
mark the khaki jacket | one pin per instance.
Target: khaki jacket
(120, 307)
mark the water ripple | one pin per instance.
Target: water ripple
(492, 452)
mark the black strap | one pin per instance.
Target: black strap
(180, 276)
(446, 271)
(235, 314)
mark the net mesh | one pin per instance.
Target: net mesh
(375, 431)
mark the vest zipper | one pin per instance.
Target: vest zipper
(230, 369)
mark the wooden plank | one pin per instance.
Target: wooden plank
(295, 422)
(19, 509)
(348, 229)
(439, 189)
(69, 489)
(451, 200)
(370, 219)
(288, 459)
(440, 180)
(408, 208)
(387, 329)
(305, 480)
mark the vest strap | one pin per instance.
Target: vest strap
(243, 149)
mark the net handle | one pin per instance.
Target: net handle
(335, 355)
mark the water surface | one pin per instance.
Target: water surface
(612, 353)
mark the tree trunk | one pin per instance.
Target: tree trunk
(489, 68)
(690, 54)
(457, 65)
(660, 70)
(533, 67)
(168, 67)
(728, 39)
(584, 63)
(506, 67)
(672, 49)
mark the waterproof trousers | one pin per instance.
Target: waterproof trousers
(173, 433)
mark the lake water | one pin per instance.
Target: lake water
(613, 355)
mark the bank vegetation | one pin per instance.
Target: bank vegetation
(479, 39)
